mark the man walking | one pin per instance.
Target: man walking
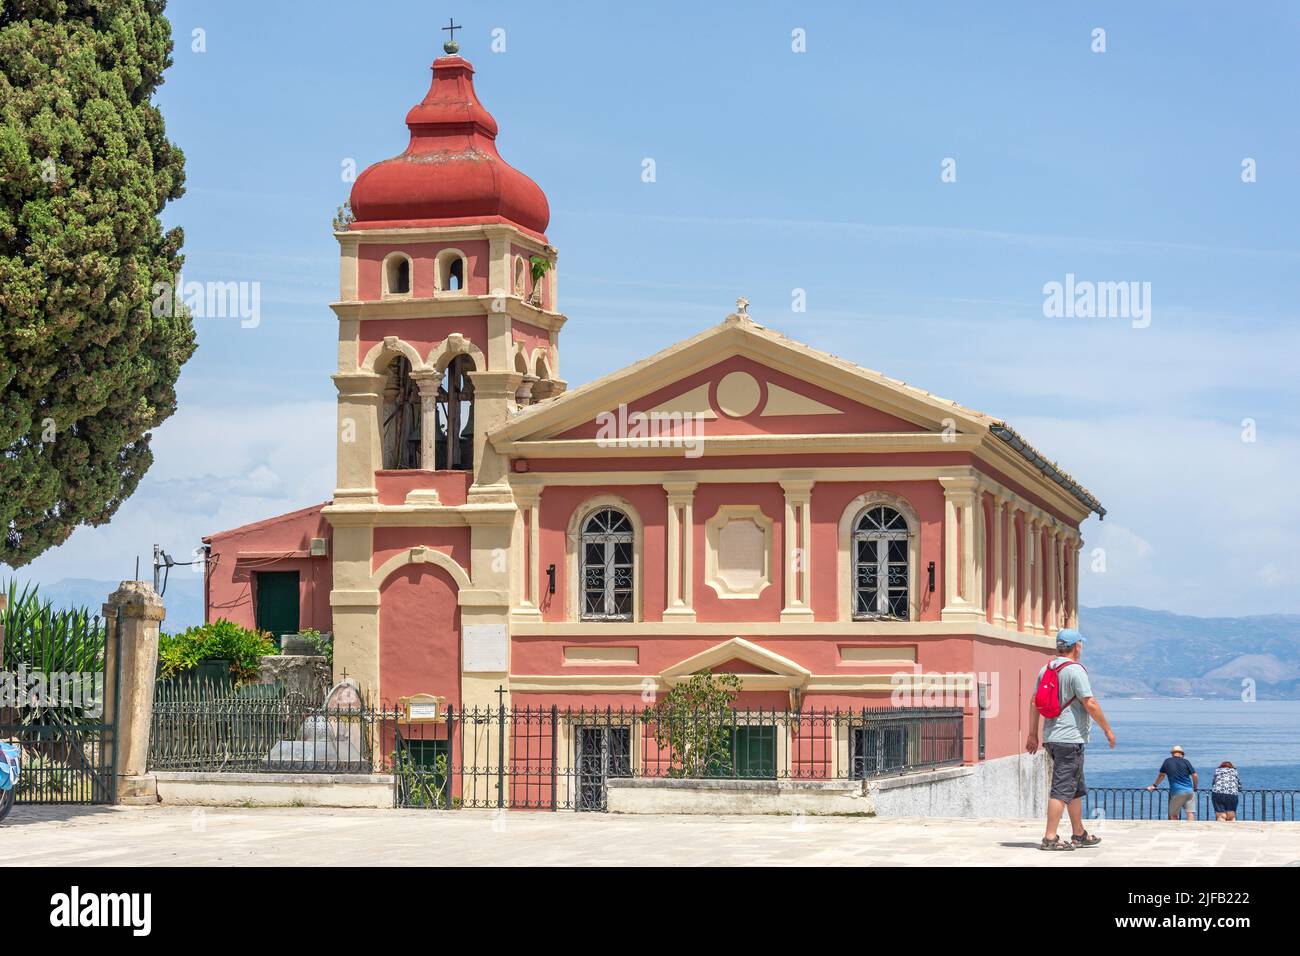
(1063, 697)
(1183, 782)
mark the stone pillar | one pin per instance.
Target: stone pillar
(681, 551)
(427, 382)
(361, 397)
(500, 283)
(959, 542)
(494, 401)
(485, 607)
(133, 614)
(798, 551)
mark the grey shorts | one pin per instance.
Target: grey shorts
(1067, 771)
(1180, 801)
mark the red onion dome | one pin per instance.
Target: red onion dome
(450, 173)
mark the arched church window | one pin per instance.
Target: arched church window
(521, 274)
(607, 566)
(401, 431)
(880, 571)
(397, 275)
(451, 271)
(454, 410)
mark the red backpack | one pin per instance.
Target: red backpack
(1048, 696)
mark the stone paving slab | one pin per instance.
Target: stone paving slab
(229, 836)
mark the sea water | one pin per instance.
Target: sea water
(1261, 738)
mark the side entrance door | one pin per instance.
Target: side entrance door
(276, 594)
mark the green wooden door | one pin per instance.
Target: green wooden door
(277, 602)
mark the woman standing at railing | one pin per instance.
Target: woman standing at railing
(1224, 792)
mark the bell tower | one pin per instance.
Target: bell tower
(448, 294)
(448, 323)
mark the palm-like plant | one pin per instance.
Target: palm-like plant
(39, 639)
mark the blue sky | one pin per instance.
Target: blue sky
(777, 171)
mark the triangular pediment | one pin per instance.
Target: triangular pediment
(739, 378)
(743, 658)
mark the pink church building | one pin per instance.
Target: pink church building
(738, 502)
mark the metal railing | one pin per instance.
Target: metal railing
(1138, 803)
(257, 727)
(551, 758)
(68, 740)
(545, 758)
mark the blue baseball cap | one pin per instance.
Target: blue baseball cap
(1068, 636)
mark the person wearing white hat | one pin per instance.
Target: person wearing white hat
(1182, 783)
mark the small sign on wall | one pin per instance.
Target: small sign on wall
(423, 708)
(486, 648)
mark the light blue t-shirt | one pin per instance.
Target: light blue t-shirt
(1074, 724)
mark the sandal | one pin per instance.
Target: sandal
(1085, 839)
(1055, 843)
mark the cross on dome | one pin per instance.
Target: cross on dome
(451, 47)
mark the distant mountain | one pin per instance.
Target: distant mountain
(183, 596)
(1133, 652)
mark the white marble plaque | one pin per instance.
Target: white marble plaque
(486, 648)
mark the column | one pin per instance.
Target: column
(1074, 576)
(427, 382)
(494, 402)
(133, 614)
(961, 602)
(980, 555)
(798, 551)
(361, 395)
(1053, 568)
(1013, 569)
(681, 551)
(528, 498)
(999, 560)
(1031, 573)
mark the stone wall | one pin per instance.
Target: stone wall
(1008, 787)
(300, 673)
(275, 789)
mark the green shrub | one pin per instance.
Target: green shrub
(216, 641)
(322, 643)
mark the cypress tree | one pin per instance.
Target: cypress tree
(86, 368)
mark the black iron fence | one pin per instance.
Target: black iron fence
(1138, 803)
(59, 703)
(216, 726)
(562, 758)
(544, 758)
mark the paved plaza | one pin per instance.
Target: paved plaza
(184, 836)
